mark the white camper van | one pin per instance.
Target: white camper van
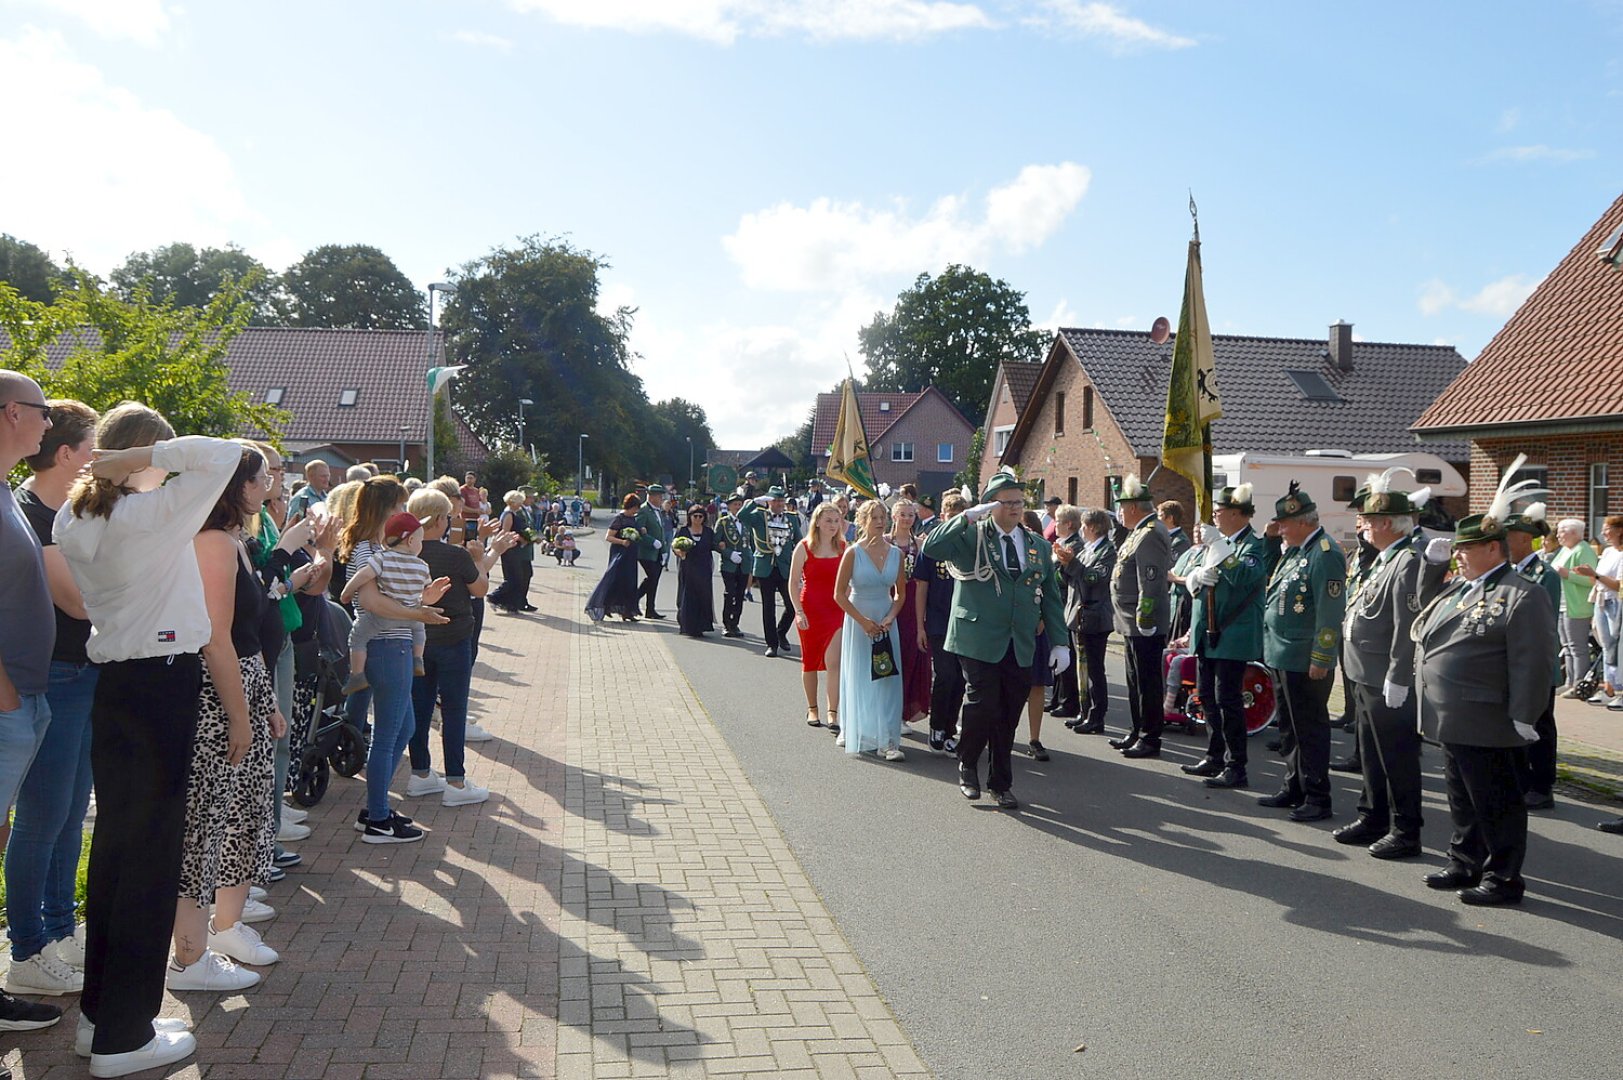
(1331, 477)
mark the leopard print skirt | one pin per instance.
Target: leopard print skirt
(230, 829)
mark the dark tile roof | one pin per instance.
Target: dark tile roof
(875, 418)
(1021, 378)
(1560, 357)
(1388, 386)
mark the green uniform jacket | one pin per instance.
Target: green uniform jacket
(1307, 599)
(1239, 595)
(1539, 573)
(650, 527)
(988, 615)
(730, 538)
(753, 520)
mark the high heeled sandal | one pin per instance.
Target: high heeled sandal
(812, 719)
(834, 721)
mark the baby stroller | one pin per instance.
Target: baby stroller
(320, 736)
(1590, 682)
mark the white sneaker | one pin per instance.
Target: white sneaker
(839, 740)
(243, 944)
(211, 972)
(166, 1048)
(432, 784)
(85, 1034)
(466, 795)
(291, 832)
(475, 733)
(71, 950)
(294, 814)
(257, 911)
(43, 973)
(894, 754)
(256, 893)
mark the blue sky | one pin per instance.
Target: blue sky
(764, 175)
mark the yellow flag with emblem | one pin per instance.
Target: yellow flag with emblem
(848, 460)
(1192, 398)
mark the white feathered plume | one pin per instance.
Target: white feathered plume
(1420, 498)
(1242, 494)
(1131, 487)
(1535, 512)
(1381, 483)
(1506, 496)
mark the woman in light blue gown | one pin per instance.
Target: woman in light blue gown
(869, 589)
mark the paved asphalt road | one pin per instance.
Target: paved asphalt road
(1172, 930)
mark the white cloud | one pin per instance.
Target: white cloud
(829, 246)
(724, 21)
(1062, 315)
(144, 21)
(479, 39)
(105, 174)
(1536, 152)
(1107, 22)
(1497, 298)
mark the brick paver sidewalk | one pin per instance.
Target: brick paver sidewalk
(623, 906)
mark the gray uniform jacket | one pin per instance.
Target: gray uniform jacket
(1376, 629)
(1485, 662)
(1087, 580)
(1138, 584)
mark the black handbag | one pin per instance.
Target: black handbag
(884, 658)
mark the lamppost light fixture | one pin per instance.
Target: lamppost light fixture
(441, 286)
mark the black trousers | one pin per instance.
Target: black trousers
(732, 599)
(1065, 695)
(1145, 686)
(1538, 760)
(1090, 653)
(994, 701)
(1485, 803)
(1305, 710)
(1222, 698)
(775, 628)
(1350, 710)
(1389, 748)
(650, 584)
(142, 724)
(946, 686)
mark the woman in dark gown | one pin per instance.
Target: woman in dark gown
(695, 606)
(616, 594)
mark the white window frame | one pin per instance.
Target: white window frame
(945, 458)
(1599, 477)
(1000, 439)
(275, 394)
(349, 397)
(901, 452)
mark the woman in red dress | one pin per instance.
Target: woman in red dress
(915, 647)
(811, 577)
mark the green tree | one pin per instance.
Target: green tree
(191, 278)
(799, 446)
(970, 476)
(29, 270)
(351, 287)
(673, 423)
(950, 331)
(525, 321)
(94, 347)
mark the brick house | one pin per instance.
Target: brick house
(1550, 385)
(1011, 393)
(917, 438)
(1097, 407)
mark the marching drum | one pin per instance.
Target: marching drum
(1182, 704)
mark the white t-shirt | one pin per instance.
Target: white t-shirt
(1611, 564)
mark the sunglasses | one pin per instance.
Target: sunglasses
(44, 410)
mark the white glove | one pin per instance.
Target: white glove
(1192, 583)
(975, 513)
(658, 544)
(1394, 694)
(1205, 534)
(1526, 731)
(736, 557)
(762, 500)
(1059, 658)
(1439, 549)
(1203, 577)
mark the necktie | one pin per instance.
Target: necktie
(1011, 557)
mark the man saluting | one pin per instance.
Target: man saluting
(1006, 592)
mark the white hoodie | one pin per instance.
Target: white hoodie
(137, 570)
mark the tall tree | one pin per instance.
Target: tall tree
(675, 421)
(191, 278)
(950, 331)
(352, 287)
(29, 270)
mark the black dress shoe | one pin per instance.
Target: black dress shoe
(732, 633)
(770, 651)
(1311, 812)
(1393, 846)
(1062, 711)
(1073, 723)
(652, 615)
(1493, 894)
(1284, 797)
(1540, 800)
(1455, 877)
(1143, 748)
(1124, 742)
(1206, 766)
(1347, 764)
(1361, 832)
(1037, 751)
(1615, 825)
(1228, 778)
(1275, 744)
(1006, 800)
(786, 648)
(969, 785)
(1095, 728)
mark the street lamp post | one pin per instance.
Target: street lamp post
(580, 464)
(690, 463)
(523, 401)
(434, 289)
(405, 429)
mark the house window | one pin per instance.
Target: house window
(1599, 476)
(1000, 439)
(901, 451)
(1087, 407)
(1111, 483)
(274, 395)
(1070, 491)
(943, 451)
(348, 398)
(1059, 413)
(1343, 488)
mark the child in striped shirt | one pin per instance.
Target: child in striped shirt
(401, 576)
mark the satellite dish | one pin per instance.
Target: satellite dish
(1160, 330)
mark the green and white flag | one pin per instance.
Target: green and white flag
(439, 376)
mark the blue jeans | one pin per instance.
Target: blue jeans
(388, 669)
(449, 671)
(42, 860)
(21, 731)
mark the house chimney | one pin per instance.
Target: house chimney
(1341, 345)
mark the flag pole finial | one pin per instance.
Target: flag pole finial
(1194, 215)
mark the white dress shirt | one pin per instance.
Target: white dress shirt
(1019, 535)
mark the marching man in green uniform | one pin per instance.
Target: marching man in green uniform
(1225, 631)
(1005, 591)
(1301, 639)
(650, 544)
(735, 565)
(772, 530)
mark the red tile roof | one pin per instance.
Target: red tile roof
(879, 411)
(1559, 358)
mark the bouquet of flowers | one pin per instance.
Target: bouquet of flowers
(682, 543)
(529, 535)
(629, 535)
